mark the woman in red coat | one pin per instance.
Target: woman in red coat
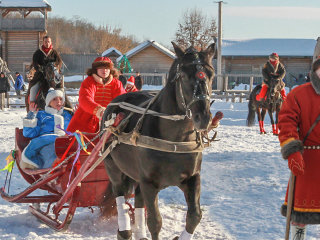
(96, 92)
(297, 115)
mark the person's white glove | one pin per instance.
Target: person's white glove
(100, 112)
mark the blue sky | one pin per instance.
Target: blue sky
(158, 20)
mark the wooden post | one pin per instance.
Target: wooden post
(251, 84)
(226, 80)
(2, 104)
(7, 96)
(219, 45)
(163, 79)
(233, 99)
(290, 203)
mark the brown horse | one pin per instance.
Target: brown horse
(272, 103)
(47, 77)
(186, 94)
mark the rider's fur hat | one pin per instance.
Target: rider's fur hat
(52, 94)
(102, 62)
(274, 56)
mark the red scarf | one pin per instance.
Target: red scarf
(274, 62)
(46, 50)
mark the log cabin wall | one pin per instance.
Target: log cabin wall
(18, 48)
(151, 60)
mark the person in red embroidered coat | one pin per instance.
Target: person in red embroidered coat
(273, 69)
(130, 87)
(298, 113)
(96, 92)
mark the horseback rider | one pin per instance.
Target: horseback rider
(272, 70)
(96, 92)
(300, 146)
(41, 57)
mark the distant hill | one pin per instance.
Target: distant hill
(79, 36)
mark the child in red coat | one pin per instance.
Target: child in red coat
(96, 92)
(130, 87)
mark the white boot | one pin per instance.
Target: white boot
(140, 224)
(298, 232)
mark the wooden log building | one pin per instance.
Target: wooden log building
(150, 57)
(22, 26)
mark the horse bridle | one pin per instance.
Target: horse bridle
(57, 76)
(201, 77)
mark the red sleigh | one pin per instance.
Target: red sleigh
(69, 185)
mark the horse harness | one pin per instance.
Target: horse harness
(136, 139)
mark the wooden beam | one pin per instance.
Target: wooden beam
(27, 13)
(5, 13)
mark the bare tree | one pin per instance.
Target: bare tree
(196, 30)
(78, 36)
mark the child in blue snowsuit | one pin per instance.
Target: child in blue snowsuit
(44, 127)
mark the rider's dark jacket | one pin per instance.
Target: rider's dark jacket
(40, 58)
(270, 72)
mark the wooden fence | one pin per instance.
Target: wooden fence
(231, 95)
(6, 103)
(226, 94)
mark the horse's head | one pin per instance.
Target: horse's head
(274, 88)
(52, 75)
(194, 73)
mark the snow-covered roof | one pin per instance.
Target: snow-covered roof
(146, 44)
(110, 50)
(263, 47)
(24, 3)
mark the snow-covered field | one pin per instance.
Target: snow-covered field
(243, 175)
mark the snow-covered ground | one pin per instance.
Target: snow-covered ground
(244, 181)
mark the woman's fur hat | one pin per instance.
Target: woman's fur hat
(102, 62)
(105, 63)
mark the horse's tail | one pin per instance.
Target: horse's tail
(252, 109)
(108, 206)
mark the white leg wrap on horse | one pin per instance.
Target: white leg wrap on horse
(123, 214)
(185, 235)
(298, 232)
(140, 223)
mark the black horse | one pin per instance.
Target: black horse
(47, 77)
(272, 103)
(186, 94)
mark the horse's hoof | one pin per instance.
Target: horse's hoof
(124, 235)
